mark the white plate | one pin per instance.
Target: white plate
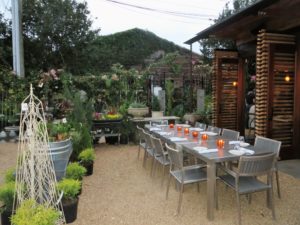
(196, 129)
(199, 148)
(241, 151)
(244, 144)
(236, 152)
(183, 125)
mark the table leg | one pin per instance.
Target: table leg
(211, 186)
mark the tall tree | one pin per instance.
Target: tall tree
(5, 43)
(208, 45)
(55, 34)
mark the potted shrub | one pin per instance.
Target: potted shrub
(75, 171)
(7, 192)
(137, 109)
(31, 213)
(70, 189)
(156, 110)
(87, 158)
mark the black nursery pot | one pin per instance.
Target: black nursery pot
(89, 168)
(70, 209)
(5, 218)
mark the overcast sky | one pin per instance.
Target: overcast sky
(174, 20)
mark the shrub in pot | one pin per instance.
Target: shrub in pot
(32, 213)
(75, 171)
(70, 189)
(138, 109)
(7, 192)
(156, 110)
(87, 158)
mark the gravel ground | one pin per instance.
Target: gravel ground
(121, 191)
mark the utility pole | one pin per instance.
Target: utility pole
(17, 38)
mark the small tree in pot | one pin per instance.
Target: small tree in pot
(87, 158)
(70, 189)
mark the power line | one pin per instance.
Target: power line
(145, 14)
(173, 13)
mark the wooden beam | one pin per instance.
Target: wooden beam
(296, 128)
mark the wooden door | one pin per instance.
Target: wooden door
(281, 98)
(228, 102)
(275, 76)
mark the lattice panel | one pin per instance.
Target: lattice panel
(224, 93)
(282, 62)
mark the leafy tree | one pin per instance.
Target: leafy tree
(5, 42)
(55, 34)
(208, 45)
(128, 48)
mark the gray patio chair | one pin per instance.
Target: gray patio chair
(214, 129)
(183, 174)
(142, 142)
(160, 156)
(230, 134)
(149, 150)
(200, 125)
(271, 145)
(244, 180)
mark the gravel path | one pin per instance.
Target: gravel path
(121, 191)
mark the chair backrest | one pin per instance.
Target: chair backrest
(175, 156)
(156, 142)
(214, 129)
(140, 133)
(267, 144)
(256, 165)
(158, 122)
(148, 140)
(200, 125)
(230, 134)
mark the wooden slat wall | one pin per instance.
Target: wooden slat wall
(272, 62)
(224, 93)
(283, 98)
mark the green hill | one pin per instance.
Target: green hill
(130, 48)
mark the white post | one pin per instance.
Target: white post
(17, 39)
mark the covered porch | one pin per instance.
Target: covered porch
(267, 33)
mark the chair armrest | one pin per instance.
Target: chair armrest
(229, 171)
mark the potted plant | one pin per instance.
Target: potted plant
(70, 189)
(60, 146)
(7, 192)
(156, 110)
(75, 171)
(32, 213)
(87, 158)
(137, 109)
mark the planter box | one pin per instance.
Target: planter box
(138, 112)
(192, 118)
(156, 114)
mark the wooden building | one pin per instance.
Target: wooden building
(269, 32)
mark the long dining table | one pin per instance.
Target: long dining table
(207, 151)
